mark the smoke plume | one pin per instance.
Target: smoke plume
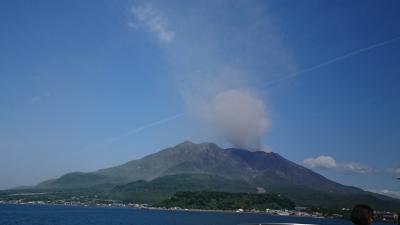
(241, 118)
(217, 53)
(228, 106)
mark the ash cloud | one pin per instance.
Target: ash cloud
(241, 118)
(219, 52)
(236, 114)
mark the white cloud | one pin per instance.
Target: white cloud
(395, 171)
(328, 162)
(153, 20)
(354, 167)
(390, 193)
(321, 162)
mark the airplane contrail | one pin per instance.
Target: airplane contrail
(333, 60)
(146, 126)
(107, 142)
(318, 66)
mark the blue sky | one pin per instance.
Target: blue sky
(91, 84)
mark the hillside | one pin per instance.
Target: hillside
(268, 169)
(195, 167)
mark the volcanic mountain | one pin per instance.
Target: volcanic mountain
(206, 166)
(207, 158)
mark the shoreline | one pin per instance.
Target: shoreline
(145, 208)
(174, 209)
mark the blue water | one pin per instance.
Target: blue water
(77, 215)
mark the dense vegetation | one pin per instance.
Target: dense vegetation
(186, 182)
(227, 201)
(162, 188)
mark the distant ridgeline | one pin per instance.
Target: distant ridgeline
(227, 201)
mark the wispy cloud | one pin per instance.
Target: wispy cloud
(394, 171)
(38, 98)
(324, 162)
(145, 16)
(321, 162)
(390, 193)
(34, 100)
(327, 162)
(355, 167)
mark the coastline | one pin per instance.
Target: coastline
(174, 209)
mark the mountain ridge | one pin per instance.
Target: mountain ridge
(205, 158)
(206, 166)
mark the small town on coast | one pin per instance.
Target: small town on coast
(385, 216)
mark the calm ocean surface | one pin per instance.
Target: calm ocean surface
(77, 215)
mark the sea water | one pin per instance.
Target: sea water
(80, 215)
